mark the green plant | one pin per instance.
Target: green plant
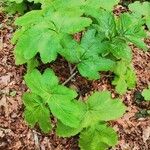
(103, 47)
(140, 10)
(125, 77)
(93, 124)
(86, 55)
(112, 45)
(12, 7)
(22, 6)
(141, 97)
(58, 97)
(108, 37)
(89, 117)
(146, 94)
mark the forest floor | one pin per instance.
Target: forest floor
(133, 128)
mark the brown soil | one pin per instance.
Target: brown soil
(134, 132)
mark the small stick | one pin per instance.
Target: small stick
(70, 68)
(70, 78)
(73, 69)
(36, 140)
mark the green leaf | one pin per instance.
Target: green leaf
(132, 29)
(38, 39)
(98, 137)
(146, 94)
(70, 24)
(106, 24)
(74, 51)
(121, 50)
(47, 86)
(32, 64)
(59, 98)
(30, 18)
(121, 85)
(42, 31)
(148, 22)
(125, 77)
(131, 78)
(66, 5)
(66, 131)
(108, 4)
(12, 7)
(101, 107)
(76, 25)
(35, 110)
(121, 68)
(91, 65)
(140, 9)
(91, 8)
(66, 111)
(17, 35)
(86, 55)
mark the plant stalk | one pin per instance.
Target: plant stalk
(71, 77)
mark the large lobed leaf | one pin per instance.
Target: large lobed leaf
(42, 32)
(36, 112)
(98, 137)
(99, 107)
(86, 55)
(37, 39)
(120, 49)
(108, 4)
(13, 7)
(119, 31)
(125, 77)
(140, 10)
(93, 7)
(132, 29)
(106, 23)
(58, 97)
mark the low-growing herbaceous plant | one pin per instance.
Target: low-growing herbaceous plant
(44, 34)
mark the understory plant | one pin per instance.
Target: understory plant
(141, 10)
(146, 94)
(12, 7)
(44, 34)
(48, 98)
